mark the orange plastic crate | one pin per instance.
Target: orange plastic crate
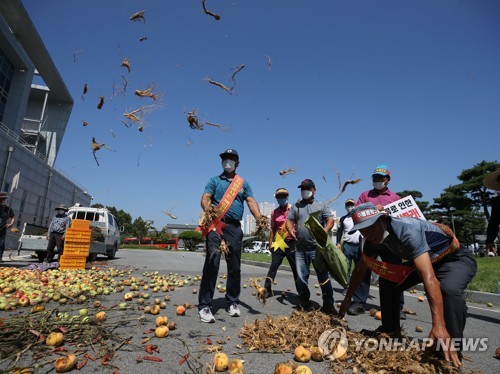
(77, 235)
(76, 249)
(68, 262)
(80, 224)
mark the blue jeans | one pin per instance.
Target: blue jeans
(303, 260)
(353, 255)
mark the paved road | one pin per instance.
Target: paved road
(483, 322)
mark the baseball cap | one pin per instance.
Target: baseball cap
(230, 151)
(350, 201)
(382, 170)
(307, 183)
(62, 206)
(281, 191)
(364, 215)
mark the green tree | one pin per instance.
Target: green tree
(190, 239)
(141, 227)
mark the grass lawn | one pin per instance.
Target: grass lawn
(487, 276)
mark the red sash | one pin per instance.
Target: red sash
(399, 273)
(223, 207)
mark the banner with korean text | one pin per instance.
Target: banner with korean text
(405, 207)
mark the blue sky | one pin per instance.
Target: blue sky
(414, 85)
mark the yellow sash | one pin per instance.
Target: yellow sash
(223, 207)
(399, 273)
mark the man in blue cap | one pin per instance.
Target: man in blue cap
(435, 257)
(223, 201)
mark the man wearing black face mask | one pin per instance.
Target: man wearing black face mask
(281, 242)
(224, 196)
(306, 246)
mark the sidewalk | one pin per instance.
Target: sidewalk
(476, 297)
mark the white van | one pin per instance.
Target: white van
(106, 222)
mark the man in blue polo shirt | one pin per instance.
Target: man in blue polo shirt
(229, 201)
(435, 258)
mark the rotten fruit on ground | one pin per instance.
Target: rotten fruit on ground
(54, 339)
(220, 361)
(161, 331)
(419, 329)
(317, 353)
(378, 315)
(100, 316)
(161, 320)
(302, 354)
(302, 369)
(235, 366)
(373, 311)
(181, 310)
(155, 309)
(66, 363)
(283, 368)
(172, 325)
(421, 298)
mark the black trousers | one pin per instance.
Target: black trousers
(454, 273)
(233, 236)
(55, 239)
(277, 258)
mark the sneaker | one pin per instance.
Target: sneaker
(234, 310)
(355, 309)
(329, 309)
(402, 315)
(206, 315)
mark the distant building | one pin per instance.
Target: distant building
(249, 224)
(177, 229)
(35, 107)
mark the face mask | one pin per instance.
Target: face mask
(379, 185)
(282, 202)
(349, 209)
(228, 165)
(306, 194)
(386, 234)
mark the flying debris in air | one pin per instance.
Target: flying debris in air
(269, 62)
(350, 181)
(237, 69)
(85, 89)
(324, 178)
(96, 146)
(169, 214)
(206, 11)
(126, 63)
(76, 54)
(223, 128)
(139, 16)
(84, 123)
(287, 172)
(192, 118)
(143, 38)
(342, 190)
(148, 92)
(135, 116)
(221, 85)
(101, 102)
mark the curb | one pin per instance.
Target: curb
(477, 297)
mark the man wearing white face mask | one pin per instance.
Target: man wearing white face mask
(379, 196)
(225, 194)
(307, 252)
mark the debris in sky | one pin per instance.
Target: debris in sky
(216, 16)
(139, 16)
(324, 178)
(287, 172)
(112, 133)
(135, 116)
(350, 181)
(237, 69)
(126, 63)
(223, 128)
(96, 146)
(85, 89)
(215, 83)
(169, 214)
(76, 53)
(342, 190)
(120, 90)
(101, 102)
(269, 62)
(192, 118)
(189, 141)
(143, 38)
(148, 92)
(84, 123)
